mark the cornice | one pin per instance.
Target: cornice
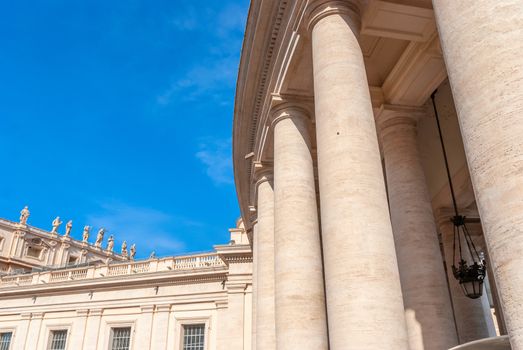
(174, 298)
(212, 274)
(258, 53)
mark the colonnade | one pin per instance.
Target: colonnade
(354, 275)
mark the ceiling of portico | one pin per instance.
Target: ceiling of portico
(401, 53)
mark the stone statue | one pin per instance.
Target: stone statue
(124, 249)
(110, 243)
(56, 224)
(133, 251)
(24, 215)
(153, 255)
(68, 227)
(85, 234)
(99, 237)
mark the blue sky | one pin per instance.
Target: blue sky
(119, 114)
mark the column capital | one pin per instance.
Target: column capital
(163, 308)
(319, 9)
(262, 171)
(37, 315)
(82, 312)
(288, 109)
(389, 116)
(147, 309)
(95, 312)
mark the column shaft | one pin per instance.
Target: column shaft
(254, 283)
(34, 331)
(21, 335)
(364, 300)
(299, 292)
(428, 310)
(144, 328)
(235, 315)
(78, 331)
(265, 319)
(92, 330)
(482, 46)
(160, 327)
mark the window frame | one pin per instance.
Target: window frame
(123, 324)
(40, 251)
(13, 334)
(58, 327)
(191, 321)
(51, 338)
(76, 260)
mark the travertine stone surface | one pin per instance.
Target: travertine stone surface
(299, 293)
(265, 319)
(160, 327)
(34, 331)
(473, 320)
(428, 309)
(92, 329)
(364, 299)
(254, 280)
(482, 45)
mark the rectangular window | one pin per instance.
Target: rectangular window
(57, 340)
(120, 338)
(34, 252)
(193, 337)
(5, 340)
(73, 260)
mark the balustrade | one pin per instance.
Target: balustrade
(210, 260)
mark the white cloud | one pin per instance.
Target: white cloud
(215, 155)
(149, 228)
(202, 79)
(217, 69)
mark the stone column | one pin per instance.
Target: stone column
(254, 281)
(20, 337)
(265, 319)
(92, 329)
(472, 320)
(428, 309)
(221, 325)
(235, 315)
(144, 327)
(482, 47)
(160, 327)
(34, 331)
(78, 331)
(299, 293)
(364, 299)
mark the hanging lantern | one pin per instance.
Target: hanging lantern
(469, 270)
(468, 267)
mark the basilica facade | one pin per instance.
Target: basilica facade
(366, 134)
(57, 293)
